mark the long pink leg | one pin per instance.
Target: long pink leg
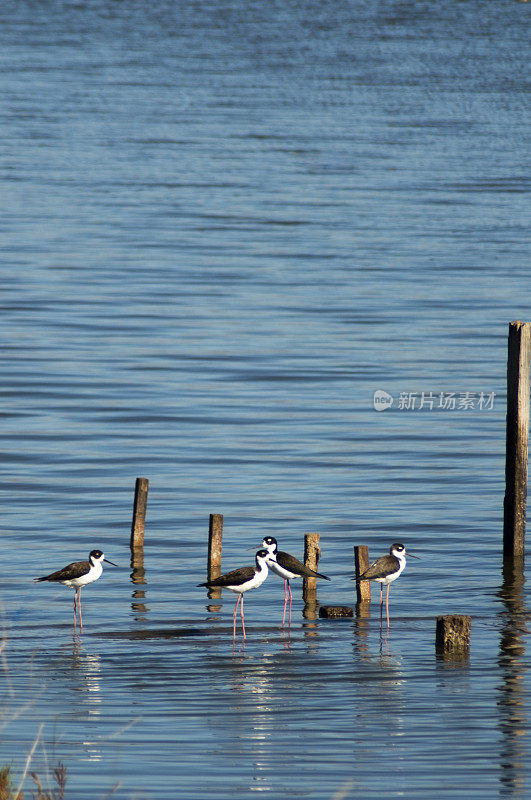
(381, 605)
(79, 607)
(286, 584)
(387, 604)
(75, 609)
(243, 621)
(234, 618)
(290, 599)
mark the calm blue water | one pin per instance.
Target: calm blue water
(225, 226)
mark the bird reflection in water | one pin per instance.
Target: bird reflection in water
(86, 667)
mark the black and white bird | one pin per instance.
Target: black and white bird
(288, 567)
(385, 570)
(79, 574)
(242, 580)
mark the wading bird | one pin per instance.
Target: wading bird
(288, 567)
(78, 574)
(385, 570)
(242, 580)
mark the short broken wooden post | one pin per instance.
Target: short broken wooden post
(516, 454)
(452, 636)
(334, 612)
(361, 563)
(215, 536)
(312, 552)
(138, 524)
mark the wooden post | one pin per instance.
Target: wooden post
(361, 563)
(138, 524)
(332, 612)
(312, 551)
(215, 535)
(452, 635)
(515, 501)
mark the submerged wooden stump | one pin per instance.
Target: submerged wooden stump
(452, 635)
(335, 611)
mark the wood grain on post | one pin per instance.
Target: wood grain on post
(138, 524)
(361, 563)
(517, 435)
(215, 536)
(312, 552)
(452, 635)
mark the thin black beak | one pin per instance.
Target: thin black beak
(410, 555)
(110, 562)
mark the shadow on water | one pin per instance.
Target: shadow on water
(152, 633)
(511, 705)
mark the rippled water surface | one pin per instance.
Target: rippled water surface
(224, 227)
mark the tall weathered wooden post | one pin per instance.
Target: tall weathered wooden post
(514, 506)
(215, 538)
(138, 525)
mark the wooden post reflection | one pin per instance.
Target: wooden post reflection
(511, 705)
(361, 629)
(311, 610)
(138, 578)
(363, 609)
